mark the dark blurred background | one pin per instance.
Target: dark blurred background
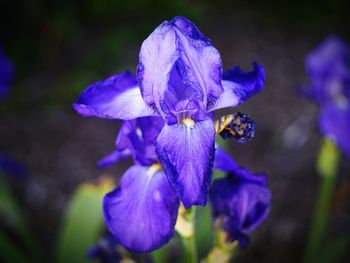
(59, 47)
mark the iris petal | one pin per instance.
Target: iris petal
(186, 153)
(177, 61)
(141, 214)
(239, 86)
(334, 122)
(117, 97)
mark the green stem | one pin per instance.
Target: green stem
(190, 249)
(328, 161)
(189, 242)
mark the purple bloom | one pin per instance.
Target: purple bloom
(179, 78)
(6, 74)
(328, 69)
(240, 201)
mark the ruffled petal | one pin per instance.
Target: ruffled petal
(241, 201)
(239, 86)
(334, 122)
(177, 62)
(186, 152)
(117, 97)
(141, 214)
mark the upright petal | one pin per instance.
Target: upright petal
(186, 152)
(117, 97)
(141, 214)
(177, 62)
(157, 55)
(202, 59)
(334, 122)
(239, 86)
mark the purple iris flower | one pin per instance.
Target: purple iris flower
(240, 201)
(179, 78)
(6, 74)
(328, 69)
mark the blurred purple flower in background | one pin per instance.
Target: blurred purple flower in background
(6, 74)
(328, 70)
(179, 77)
(240, 201)
(11, 167)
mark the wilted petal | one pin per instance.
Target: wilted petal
(186, 152)
(241, 201)
(141, 214)
(177, 62)
(334, 122)
(239, 86)
(117, 97)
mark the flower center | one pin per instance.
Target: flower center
(188, 122)
(154, 168)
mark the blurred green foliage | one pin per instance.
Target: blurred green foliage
(83, 222)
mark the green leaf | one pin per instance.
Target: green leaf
(83, 221)
(10, 252)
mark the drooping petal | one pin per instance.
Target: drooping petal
(239, 86)
(334, 122)
(186, 152)
(141, 214)
(241, 201)
(178, 62)
(117, 97)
